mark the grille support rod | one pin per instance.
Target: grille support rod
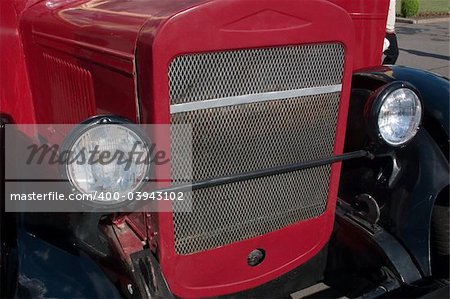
(267, 172)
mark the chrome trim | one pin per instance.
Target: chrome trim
(253, 98)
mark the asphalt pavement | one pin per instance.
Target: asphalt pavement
(425, 46)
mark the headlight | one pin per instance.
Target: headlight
(395, 113)
(106, 154)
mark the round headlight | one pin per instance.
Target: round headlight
(107, 155)
(396, 113)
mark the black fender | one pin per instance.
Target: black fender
(46, 271)
(405, 181)
(34, 268)
(8, 232)
(423, 174)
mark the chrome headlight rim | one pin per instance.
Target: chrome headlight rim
(375, 104)
(79, 130)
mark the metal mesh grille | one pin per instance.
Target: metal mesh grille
(234, 212)
(215, 75)
(241, 138)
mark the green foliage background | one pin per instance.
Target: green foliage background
(429, 6)
(409, 8)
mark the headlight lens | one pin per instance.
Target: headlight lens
(101, 160)
(399, 116)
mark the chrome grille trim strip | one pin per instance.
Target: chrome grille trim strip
(254, 98)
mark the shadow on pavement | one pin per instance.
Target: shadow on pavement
(434, 32)
(408, 30)
(425, 54)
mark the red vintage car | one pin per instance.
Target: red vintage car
(310, 163)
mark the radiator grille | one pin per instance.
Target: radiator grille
(215, 75)
(247, 137)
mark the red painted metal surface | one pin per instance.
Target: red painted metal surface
(94, 44)
(96, 47)
(100, 37)
(234, 25)
(15, 94)
(369, 21)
